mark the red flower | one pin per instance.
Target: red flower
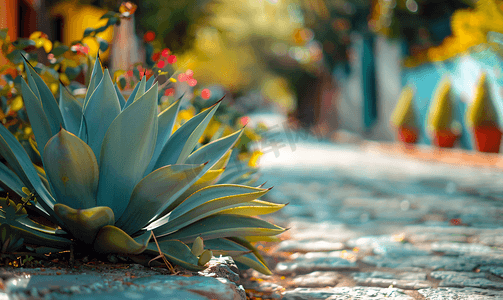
(165, 52)
(169, 92)
(156, 56)
(161, 64)
(171, 59)
(149, 36)
(206, 94)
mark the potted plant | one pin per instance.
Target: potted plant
(481, 117)
(441, 125)
(403, 117)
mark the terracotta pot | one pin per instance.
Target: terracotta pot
(407, 134)
(487, 138)
(444, 138)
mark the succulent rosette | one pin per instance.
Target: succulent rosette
(115, 174)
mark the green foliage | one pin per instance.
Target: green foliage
(113, 176)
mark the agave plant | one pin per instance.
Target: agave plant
(115, 177)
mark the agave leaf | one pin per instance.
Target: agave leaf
(209, 178)
(253, 208)
(126, 152)
(197, 247)
(84, 224)
(111, 239)
(176, 252)
(36, 237)
(15, 155)
(154, 193)
(149, 83)
(122, 100)
(213, 152)
(101, 109)
(141, 89)
(11, 180)
(96, 77)
(222, 162)
(219, 226)
(72, 170)
(131, 96)
(71, 110)
(183, 141)
(271, 238)
(235, 174)
(206, 202)
(166, 121)
(49, 104)
(31, 82)
(39, 122)
(225, 246)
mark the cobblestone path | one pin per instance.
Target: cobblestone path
(367, 225)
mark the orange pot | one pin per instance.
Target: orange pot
(444, 138)
(407, 134)
(487, 138)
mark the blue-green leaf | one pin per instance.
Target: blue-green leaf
(154, 193)
(36, 237)
(48, 101)
(183, 141)
(39, 122)
(96, 77)
(225, 246)
(111, 239)
(131, 97)
(31, 82)
(221, 226)
(214, 151)
(141, 89)
(101, 109)
(206, 202)
(167, 119)
(72, 169)
(122, 100)
(71, 110)
(149, 83)
(126, 152)
(176, 252)
(11, 180)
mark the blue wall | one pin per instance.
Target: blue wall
(464, 72)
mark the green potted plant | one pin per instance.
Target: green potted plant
(403, 117)
(441, 125)
(481, 117)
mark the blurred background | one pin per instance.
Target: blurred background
(419, 71)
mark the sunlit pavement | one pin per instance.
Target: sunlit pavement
(378, 220)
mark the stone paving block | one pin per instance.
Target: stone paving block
(427, 262)
(461, 247)
(398, 250)
(308, 246)
(346, 293)
(460, 294)
(317, 279)
(99, 287)
(498, 271)
(425, 237)
(330, 231)
(403, 280)
(370, 242)
(493, 238)
(462, 281)
(453, 274)
(316, 261)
